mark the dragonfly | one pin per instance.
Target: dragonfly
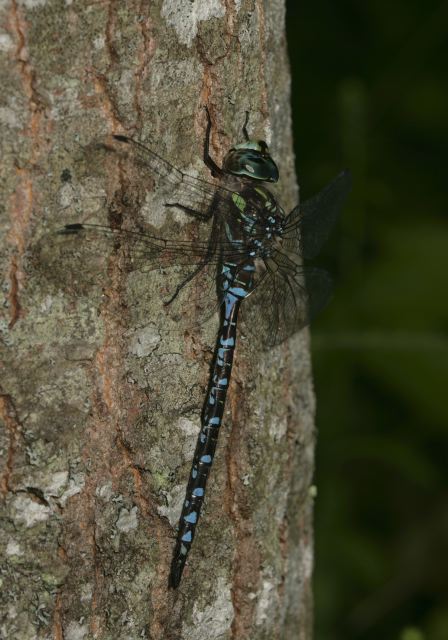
(252, 250)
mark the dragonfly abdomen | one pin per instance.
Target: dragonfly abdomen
(236, 285)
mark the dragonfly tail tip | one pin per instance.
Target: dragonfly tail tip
(174, 579)
(177, 567)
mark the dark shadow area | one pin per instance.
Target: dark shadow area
(370, 92)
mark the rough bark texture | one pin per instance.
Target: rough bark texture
(100, 398)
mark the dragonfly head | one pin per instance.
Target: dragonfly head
(251, 159)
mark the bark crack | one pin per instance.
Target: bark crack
(264, 108)
(246, 556)
(146, 53)
(23, 199)
(16, 309)
(58, 633)
(9, 415)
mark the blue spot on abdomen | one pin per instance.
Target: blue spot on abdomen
(192, 517)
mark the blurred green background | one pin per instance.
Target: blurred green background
(370, 92)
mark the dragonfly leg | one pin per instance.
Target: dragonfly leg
(190, 211)
(246, 122)
(209, 162)
(205, 260)
(184, 282)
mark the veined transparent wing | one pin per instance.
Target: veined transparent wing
(78, 256)
(195, 193)
(287, 298)
(308, 225)
(291, 294)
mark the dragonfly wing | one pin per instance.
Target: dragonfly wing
(195, 193)
(145, 250)
(286, 300)
(78, 259)
(310, 223)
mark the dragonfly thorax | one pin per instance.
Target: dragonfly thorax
(261, 219)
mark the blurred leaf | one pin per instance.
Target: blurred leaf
(412, 633)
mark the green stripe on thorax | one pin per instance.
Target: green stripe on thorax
(239, 201)
(262, 193)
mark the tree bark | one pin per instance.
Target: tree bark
(100, 398)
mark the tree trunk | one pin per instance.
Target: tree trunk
(100, 399)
